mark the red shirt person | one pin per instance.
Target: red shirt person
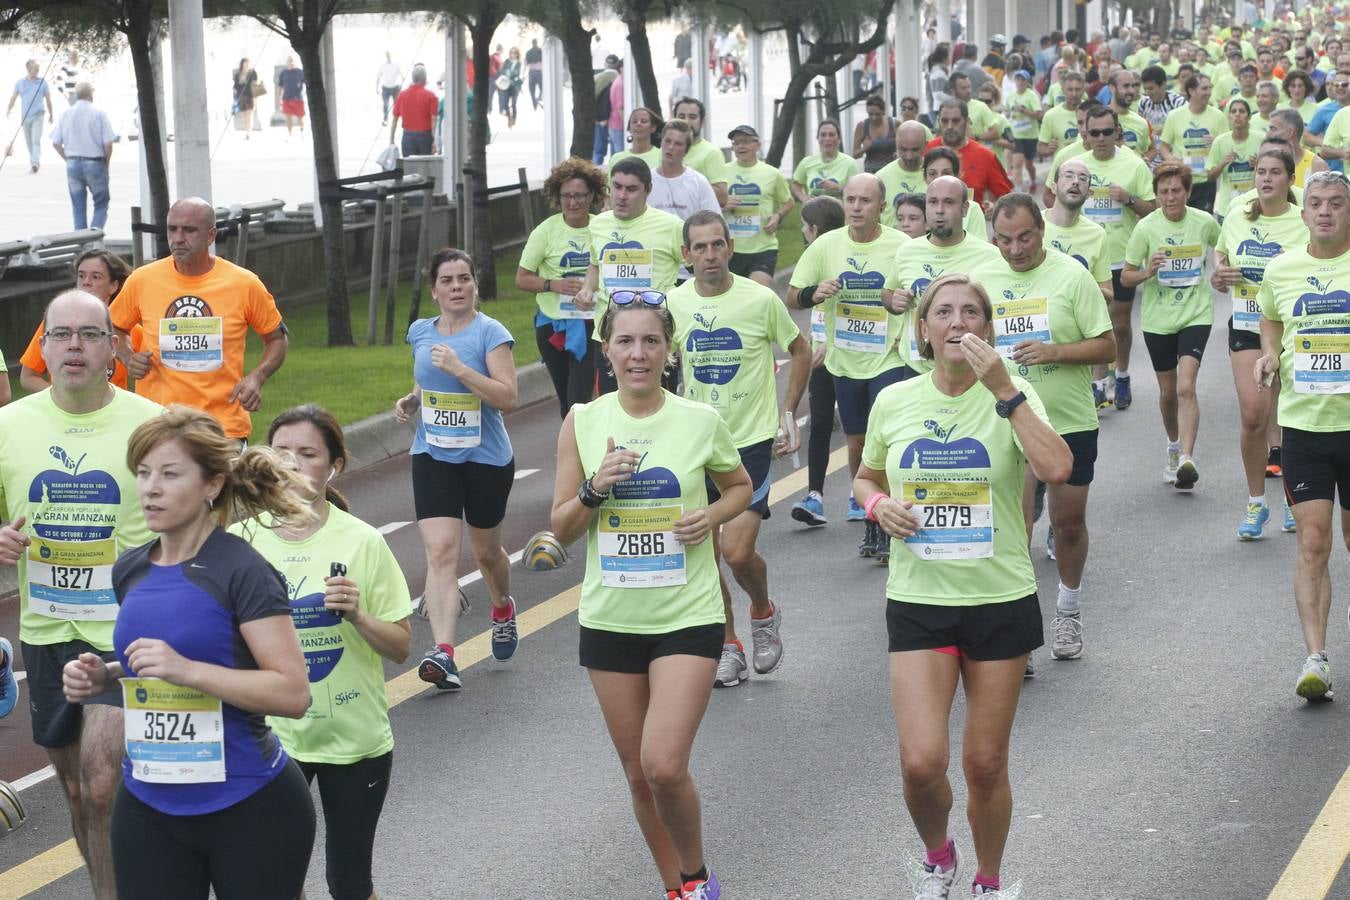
(980, 168)
(416, 106)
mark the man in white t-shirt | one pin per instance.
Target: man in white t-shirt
(387, 83)
(676, 188)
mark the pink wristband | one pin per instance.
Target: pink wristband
(871, 504)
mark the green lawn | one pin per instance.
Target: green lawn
(356, 382)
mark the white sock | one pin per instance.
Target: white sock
(1174, 446)
(1068, 601)
(1121, 373)
(1259, 500)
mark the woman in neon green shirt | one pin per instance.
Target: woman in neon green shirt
(642, 124)
(1248, 241)
(1298, 90)
(825, 172)
(942, 470)
(636, 470)
(350, 606)
(1232, 156)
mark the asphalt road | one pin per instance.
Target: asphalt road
(1172, 761)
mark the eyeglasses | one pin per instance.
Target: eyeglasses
(628, 298)
(87, 335)
(575, 198)
(1101, 132)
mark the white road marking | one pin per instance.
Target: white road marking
(20, 676)
(392, 527)
(37, 777)
(472, 577)
(524, 473)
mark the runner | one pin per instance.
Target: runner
(1231, 162)
(759, 202)
(463, 466)
(981, 171)
(350, 604)
(904, 174)
(961, 595)
(9, 685)
(633, 247)
(1135, 132)
(676, 188)
(650, 616)
(943, 162)
(1305, 330)
(205, 650)
(65, 447)
(911, 212)
(725, 329)
(1049, 320)
(1025, 112)
(197, 310)
(1121, 193)
(1059, 124)
(819, 215)
(1288, 125)
(1189, 133)
(1166, 254)
(643, 125)
(1247, 243)
(553, 267)
(702, 156)
(843, 272)
(824, 173)
(98, 272)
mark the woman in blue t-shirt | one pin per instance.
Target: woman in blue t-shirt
(205, 651)
(464, 379)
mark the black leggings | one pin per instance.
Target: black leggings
(573, 379)
(257, 849)
(352, 797)
(822, 426)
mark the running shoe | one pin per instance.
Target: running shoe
(929, 882)
(1273, 469)
(1011, 892)
(438, 668)
(1257, 516)
(505, 637)
(671, 895)
(1315, 682)
(1187, 474)
(855, 512)
(9, 685)
(702, 890)
(767, 642)
(1031, 666)
(867, 547)
(1173, 463)
(1099, 396)
(731, 669)
(1289, 526)
(1050, 543)
(1068, 629)
(810, 510)
(883, 554)
(1123, 395)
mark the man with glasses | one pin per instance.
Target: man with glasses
(196, 310)
(1305, 60)
(72, 508)
(1335, 141)
(904, 174)
(758, 201)
(1315, 134)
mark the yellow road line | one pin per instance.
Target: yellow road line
(1319, 858)
(58, 862)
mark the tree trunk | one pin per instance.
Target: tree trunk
(306, 44)
(576, 41)
(641, 63)
(140, 33)
(794, 49)
(481, 32)
(787, 115)
(830, 86)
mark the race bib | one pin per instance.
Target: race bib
(1242, 177)
(818, 326)
(861, 328)
(1182, 267)
(192, 343)
(1101, 209)
(1322, 364)
(1197, 163)
(744, 218)
(72, 580)
(1246, 311)
(1027, 319)
(452, 421)
(174, 735)
(629, 268)
(567, 309)
(956, 519)
(637, 547)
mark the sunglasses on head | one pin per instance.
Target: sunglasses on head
(628, 298)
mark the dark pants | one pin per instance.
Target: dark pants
(388, 95)
(573, 379)
(537, 87)
(417, 143)
(822, 426)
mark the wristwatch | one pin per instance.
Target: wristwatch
(1005, 407)
(590, 497)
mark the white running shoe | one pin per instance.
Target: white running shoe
(1173, 463)
(1068, 629)
(930, 882)
(731, 669)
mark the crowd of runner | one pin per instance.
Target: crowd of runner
(204, 622)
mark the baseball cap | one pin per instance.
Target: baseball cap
(1022, 73)
(746, 130)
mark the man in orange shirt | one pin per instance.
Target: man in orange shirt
(196, 311)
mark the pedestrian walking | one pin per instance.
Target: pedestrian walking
(416, 106)
(291, 84)
(70, 76)
(84, 139)
(508, 84)
(534, 65)
(387, 83)
(246, 87)
(31, 91)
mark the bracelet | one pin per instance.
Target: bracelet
(548, 285)
(589, 496)
(805, 297)
(870, 505)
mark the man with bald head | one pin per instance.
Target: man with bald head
(904, 174)
(69, 507)
(196, 310)
(844, 272)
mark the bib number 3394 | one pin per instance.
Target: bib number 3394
(174, 735)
